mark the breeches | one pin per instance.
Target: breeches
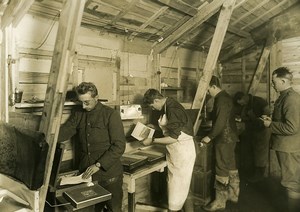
(225, 158)
(290, 170)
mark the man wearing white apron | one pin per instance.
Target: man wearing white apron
(177, 129)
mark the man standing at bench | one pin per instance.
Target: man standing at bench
(102, 143)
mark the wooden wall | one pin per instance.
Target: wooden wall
(291, 59)
(238, 73)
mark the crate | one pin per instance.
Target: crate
(203, 156)
(202, 184)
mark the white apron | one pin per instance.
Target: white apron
(180, 162)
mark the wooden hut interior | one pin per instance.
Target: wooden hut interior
(125, 47)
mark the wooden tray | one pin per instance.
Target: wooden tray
(152, 156)
(131, 162)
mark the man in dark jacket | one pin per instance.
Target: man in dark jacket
(285, 129)
(224, 137)
(253, 107)
(102, 143)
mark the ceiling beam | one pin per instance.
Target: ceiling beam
(250, 12)
(63, 53)
(148, 22)
(193, 11)
(204, 14)
(264, 14)
(15, 11)
(234, 30)
(180, 6)
(280, 27)
(123, 12)
(235, 49)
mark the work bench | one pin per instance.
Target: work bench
(131, 177)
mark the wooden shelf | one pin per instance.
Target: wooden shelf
(172, 88)
(37, 105)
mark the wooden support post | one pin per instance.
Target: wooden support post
(275, 62)
(14, 12)
(69, 23)
(260, 68)
(244, 73)
(212, 57)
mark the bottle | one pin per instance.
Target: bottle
(18, 95)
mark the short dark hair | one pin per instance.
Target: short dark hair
(283, 72)
(86, 87)
(150, 95)
(215, 81)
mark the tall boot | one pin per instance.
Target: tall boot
(234, 186)
(221, 197)
(293, 201)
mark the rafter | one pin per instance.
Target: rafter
(204, 14)
(148, 22)
(260, 17)
(123, 12)
(180, 6)
(15, 12)
(250, 12)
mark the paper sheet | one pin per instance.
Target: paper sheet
(67, 180)
(141, 131)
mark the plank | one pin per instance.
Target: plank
(148, 22)
(64, 51)
(4, 97)
(33, 77)
(260, 68)
(212, 57)
(14, 12)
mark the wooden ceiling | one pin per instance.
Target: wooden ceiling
(156, 20)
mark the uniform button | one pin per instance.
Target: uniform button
(88, 144)
(88, 134)
(88, 123)
(89, 153)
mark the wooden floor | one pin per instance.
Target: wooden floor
(265, 196)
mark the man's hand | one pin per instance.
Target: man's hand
(147, 141)
(205, 140)
(266, 120)
(90, 171)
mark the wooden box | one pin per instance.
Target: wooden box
(203, 156)
(81, 197)
(202, 184)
